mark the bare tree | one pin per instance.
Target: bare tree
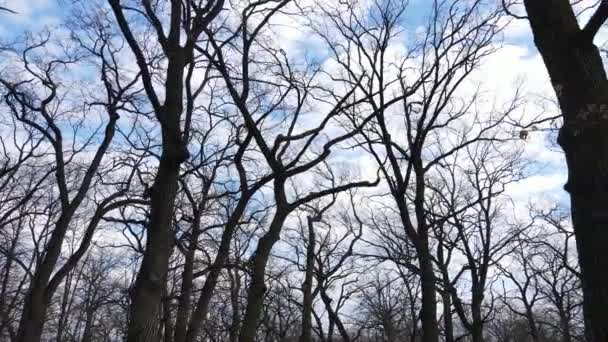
(182, 171)
(37, 98)
(426, 80)
(559, 274)
(524, 296)
(470, 212)
(292, 152)
(187, 21)
(578, 77)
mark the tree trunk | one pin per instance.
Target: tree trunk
(430, 331)
(257, 289)
(147, 293)
(306, 335)
(235, 290)
(87, 335)
(565, 326)
(64, 308)
(167, 319)
(532, 325)
(202, 306)
(148, 290)
(34, 312)
(334, 318)
(447, 316)
(183, 310)
(446, 299)
(477, 326)
(579, 80)
(37, 298)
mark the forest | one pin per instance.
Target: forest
(303, 170)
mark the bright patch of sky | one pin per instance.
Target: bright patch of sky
(31, 15)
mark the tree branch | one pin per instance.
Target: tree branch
(596, 21)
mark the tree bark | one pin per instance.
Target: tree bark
(532, 324)
(578, 77)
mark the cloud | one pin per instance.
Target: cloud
(31, 15)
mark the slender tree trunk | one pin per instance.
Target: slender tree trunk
(64, 311)
(333, 317)
(532, 324)
(167, 319)
(40, 291)
(430, 331)
(578, 77)
(37, 298)
(235, 290)
(330, 330)
(565, 326)
(183, 310)
(446, 299)
(87, 335)
(448, 324)
(4, 310)
(223, 252)
(257, 289)
(306, 335)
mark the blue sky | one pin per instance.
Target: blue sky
(31, 15)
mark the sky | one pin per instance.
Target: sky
(516, 62)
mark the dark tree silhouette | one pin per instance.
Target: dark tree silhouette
(578, 77)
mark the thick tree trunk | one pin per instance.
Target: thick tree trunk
(147, 293)
(477, 322)
(148, 290)
(579, 79)
(34, 312)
